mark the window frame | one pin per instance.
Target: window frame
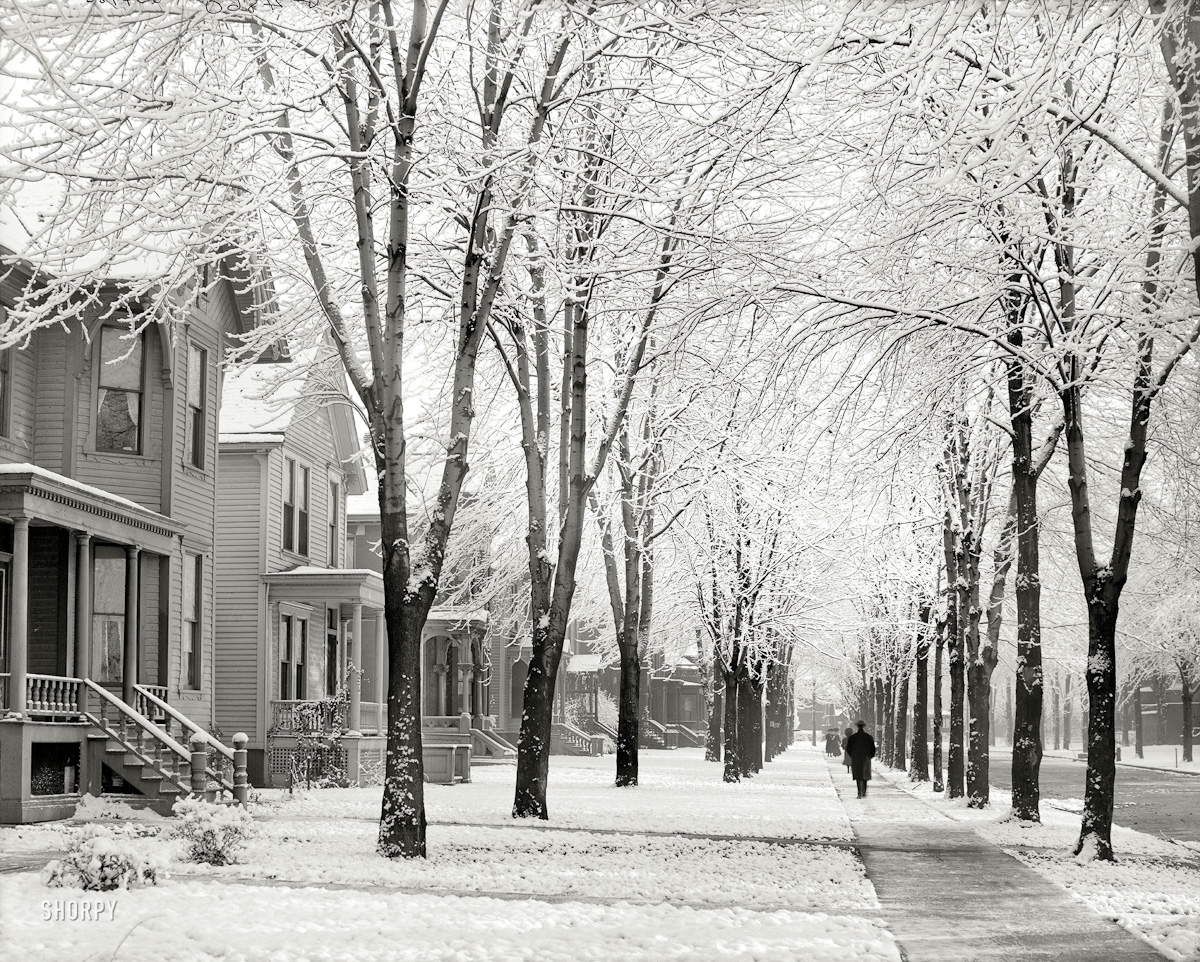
(333, 646)
(293, 657)
(196, 455)
(112, 553)
(303, 511)
(6, 376)
(191, 657)
(288, 534)
(335, 504)
(142, 391)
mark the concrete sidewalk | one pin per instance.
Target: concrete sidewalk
(949, 896)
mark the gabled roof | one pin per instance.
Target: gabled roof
(260, 401)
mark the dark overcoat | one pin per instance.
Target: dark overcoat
(861, 748)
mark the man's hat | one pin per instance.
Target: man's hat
(861, 724)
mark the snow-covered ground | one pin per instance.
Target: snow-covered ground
(1162, 756)
(1153, 890)
(607, 886)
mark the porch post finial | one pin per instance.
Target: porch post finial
(18, 648)
(241, 785)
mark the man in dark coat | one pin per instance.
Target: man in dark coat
(861, 748)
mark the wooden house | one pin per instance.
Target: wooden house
(108, 511)
(461, 696)
(296, 625)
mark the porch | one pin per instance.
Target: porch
(75, 737)
(79, 570)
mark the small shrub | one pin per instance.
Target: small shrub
(97, 861)
(212, 833)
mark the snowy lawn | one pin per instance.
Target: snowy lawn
(678, 792)
(199, 921)
(311, 887)
(1156, 899)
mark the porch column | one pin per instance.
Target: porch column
(18, 643)
(129, 670)
(83, 604)
(467, 685)
(381, 686)
(356, 675)
(440, 671)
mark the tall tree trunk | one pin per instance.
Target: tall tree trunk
(628, 716)
(1030, 688)
(889, 715)
(1138, 739)
(1186, 691)
(748, 728)
(918, 770)
(1066, 714)
(733, 761)
(979, 674)
(939, 783)
(877, 709)
(898, 759)
(712, 738)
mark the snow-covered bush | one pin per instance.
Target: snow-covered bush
(606, 710)
(212, 833)
(98, 861)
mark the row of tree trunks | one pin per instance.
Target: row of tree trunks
(918, 769)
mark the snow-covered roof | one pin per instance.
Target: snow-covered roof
(86, 493)
(584, 664)
(261, 399)
(24, 467)
(268, 438)
(363, 507)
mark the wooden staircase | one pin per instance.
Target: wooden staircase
(569, 740)
(150, 759)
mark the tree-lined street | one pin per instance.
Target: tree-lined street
(650, 375)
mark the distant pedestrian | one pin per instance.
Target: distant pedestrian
(831, 742)
(845, 750)
(861, 748)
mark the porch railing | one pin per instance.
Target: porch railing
(373, 717)
(52, 695)
(149, 704)
(142, 702)
(299, 715)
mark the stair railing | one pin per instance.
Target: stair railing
(139, 736)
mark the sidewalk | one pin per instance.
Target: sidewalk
(946, 894)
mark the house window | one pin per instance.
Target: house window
(108, 613)
(119, 397)
(197, 380)
(193, 592)
(289, 504)
(302, 513)
(293, 642)
(5, 388)
(295, 507)
(334, 501)
(331, 651)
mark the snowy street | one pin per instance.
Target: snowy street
(683, 867)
